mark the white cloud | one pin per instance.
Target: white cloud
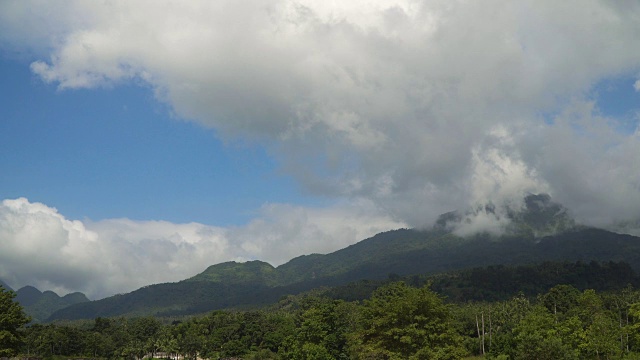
(594, 170)
(282, 232)
(481, 222)
(419, 107)
(41, 247)
(636, 85)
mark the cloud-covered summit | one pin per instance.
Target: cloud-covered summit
(538, 216)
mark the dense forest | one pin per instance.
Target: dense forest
(545, 311)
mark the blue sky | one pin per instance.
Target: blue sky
(118, 152)
(144, 141)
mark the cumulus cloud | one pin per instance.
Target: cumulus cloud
(395, 101)
(594, 170)
(483, 222)
(284, 231)
(416, 107)
(41, 247)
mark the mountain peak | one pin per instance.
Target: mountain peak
(232, 272)
(538, 216)
(28, 295)
(542, 216)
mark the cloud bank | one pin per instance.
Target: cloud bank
(394, 101)
(412, 107)
(41, 247)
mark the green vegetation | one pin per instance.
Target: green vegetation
(250, 272)
(12, 319)
(398, 321)
(501, 282)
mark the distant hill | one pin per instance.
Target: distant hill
(543, 231)
(28, 295)
(40, 305)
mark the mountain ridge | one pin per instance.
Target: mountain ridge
(198, 295)
(540, 231)
(40, 305)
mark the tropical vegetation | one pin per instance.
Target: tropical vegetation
(400, 318)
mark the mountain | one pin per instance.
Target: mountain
(40, 305)
(28, 295)
(540, 231)
(539, 216)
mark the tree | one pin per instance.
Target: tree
(401, 322)
(12, 318)
(559, 299)
(539, 337)
(322, 325)
(143, 333)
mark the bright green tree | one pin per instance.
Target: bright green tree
(12, 319)
(539, 337)
(601, 338)
(402, 322)
(322, 325)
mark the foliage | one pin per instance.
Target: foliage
(539, 336)
(401, 322)
(12, 319)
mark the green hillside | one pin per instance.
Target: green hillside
(400, 252)
(241, 285)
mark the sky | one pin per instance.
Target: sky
(142, 141)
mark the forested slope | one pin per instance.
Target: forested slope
(437, 254)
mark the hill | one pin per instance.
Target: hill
(541, 232)
(40, 305)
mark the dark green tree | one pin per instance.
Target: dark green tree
(12, 319)
(559, 299)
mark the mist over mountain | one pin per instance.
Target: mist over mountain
(631, 227)
(537, 216)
